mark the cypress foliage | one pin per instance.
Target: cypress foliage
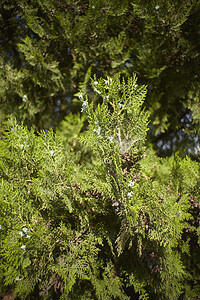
(123, 225)
(51, 48)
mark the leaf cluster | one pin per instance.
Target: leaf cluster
(124, 226)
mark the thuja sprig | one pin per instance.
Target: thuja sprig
(119, 114)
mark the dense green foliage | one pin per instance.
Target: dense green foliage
(122, 226)
(50, 48)
(99, 191)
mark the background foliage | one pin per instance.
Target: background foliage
(51, 48)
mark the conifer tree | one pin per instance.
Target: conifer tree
(51, 48)
(123, 226)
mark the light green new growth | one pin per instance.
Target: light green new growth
(114, 227)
